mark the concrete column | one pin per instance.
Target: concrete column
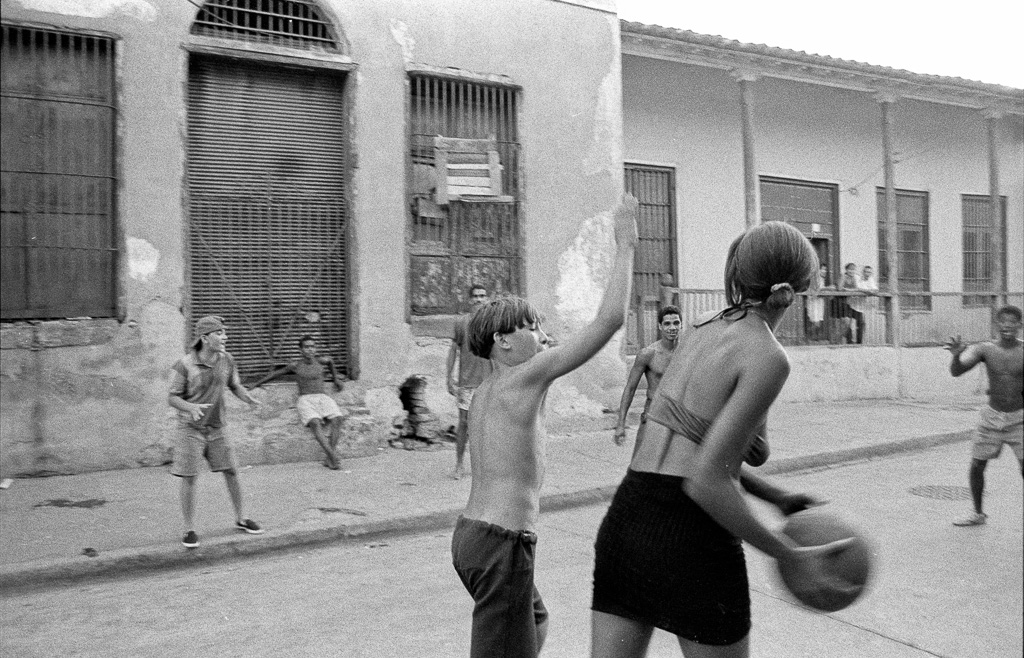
(749, 168)
(994, 206)
(886, 102)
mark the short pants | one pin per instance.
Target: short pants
(996, 428)
(193, 445)
(496, 567)
(463, 397)
(662, 561)
(315, 406)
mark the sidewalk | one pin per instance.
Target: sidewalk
(115, 522)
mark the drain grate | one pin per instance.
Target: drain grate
(942, 492)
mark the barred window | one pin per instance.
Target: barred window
(979, 254)
(655, 190)
(289, 23)
(912, 253)
(468, 239)
(57, 213)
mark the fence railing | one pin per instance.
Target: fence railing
(846, 317)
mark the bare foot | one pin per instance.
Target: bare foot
(457, 472)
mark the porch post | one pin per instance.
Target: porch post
(994, 206)
(749, 169)
(886, 101)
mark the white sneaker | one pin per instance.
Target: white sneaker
(978, 518)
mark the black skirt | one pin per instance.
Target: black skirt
(662, 561)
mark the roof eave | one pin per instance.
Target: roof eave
(716, 52)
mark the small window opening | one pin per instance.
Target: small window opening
(289, 23)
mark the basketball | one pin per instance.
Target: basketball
(814, 527)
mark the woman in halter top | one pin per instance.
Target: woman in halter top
(669, 553)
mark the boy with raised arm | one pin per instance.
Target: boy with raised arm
(493, 543)
(1002, 420)
(317, 410)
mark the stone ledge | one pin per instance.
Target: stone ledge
(57, 333)
(433, 326)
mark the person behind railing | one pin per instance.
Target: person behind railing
(867, 281)
(851, 307)
(869, 284)
(815, 306)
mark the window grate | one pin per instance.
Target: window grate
(289, 23)
(912, 251)
(57, 203)
(978, 254)
(466, 241)
(655, 190)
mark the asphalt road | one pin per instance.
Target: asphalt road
(939, 590)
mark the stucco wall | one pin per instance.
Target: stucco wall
(851, 373)
(91, 394)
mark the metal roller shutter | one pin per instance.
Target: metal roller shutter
(268, 210)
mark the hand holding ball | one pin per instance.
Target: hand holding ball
(832, 569)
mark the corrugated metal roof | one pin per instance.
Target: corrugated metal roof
(708, 50)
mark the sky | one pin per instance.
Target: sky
(979, 40)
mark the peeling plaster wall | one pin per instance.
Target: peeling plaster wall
(90, 395)
(570, 130)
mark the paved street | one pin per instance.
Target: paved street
(940, 590)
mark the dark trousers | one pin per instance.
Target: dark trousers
(858, 320)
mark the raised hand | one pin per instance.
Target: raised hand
(955, 345)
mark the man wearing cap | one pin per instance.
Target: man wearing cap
(197, 392)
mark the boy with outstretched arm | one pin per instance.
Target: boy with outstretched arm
(493, 543)
(317, 410)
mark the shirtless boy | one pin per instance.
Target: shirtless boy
(493, 543)
(317, 410)
(1002, 421)
(649, 363)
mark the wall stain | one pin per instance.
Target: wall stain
(88, 503)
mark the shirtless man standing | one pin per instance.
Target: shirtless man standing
(464, 380)
(649, 363)
(493, 543)
(1002, 421)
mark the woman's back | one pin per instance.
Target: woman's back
(708, 362)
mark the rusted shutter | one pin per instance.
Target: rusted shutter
(654, 188)
(268, 208)
(60, 241)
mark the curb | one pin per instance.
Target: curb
(131, 561)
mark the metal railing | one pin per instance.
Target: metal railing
(830, 317)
